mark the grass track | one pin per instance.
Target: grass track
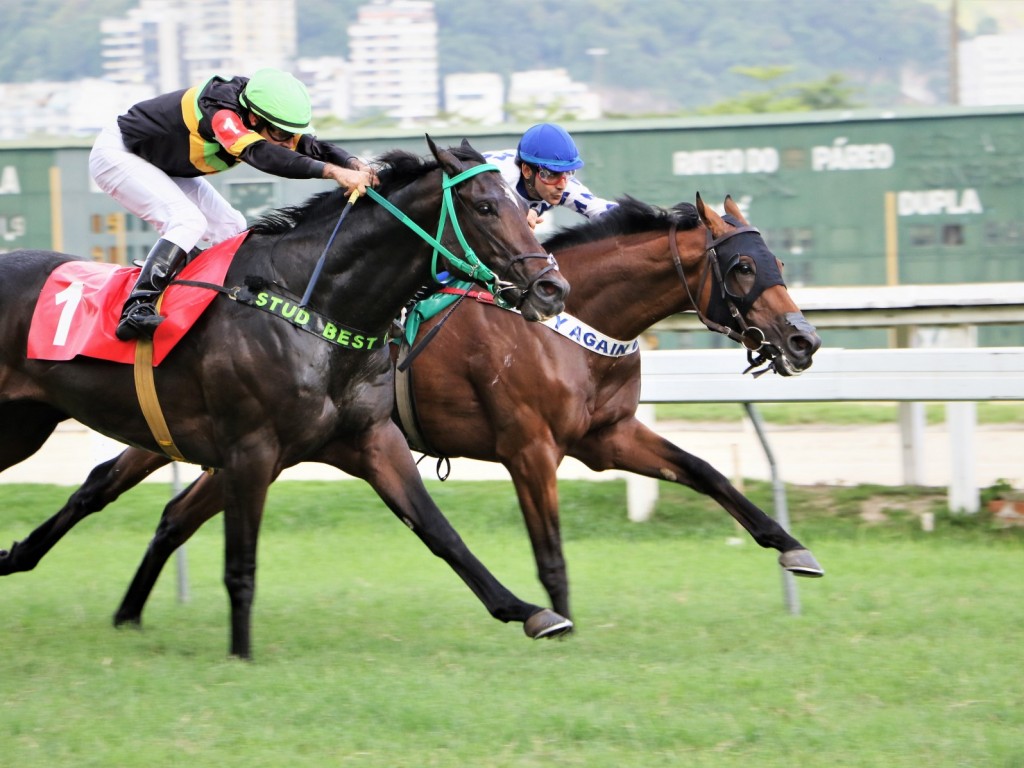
(370, 652)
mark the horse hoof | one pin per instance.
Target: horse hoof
(547, 623)
(6, 562)
(801, 563)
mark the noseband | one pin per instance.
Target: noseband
(753, 339)
(508, 295)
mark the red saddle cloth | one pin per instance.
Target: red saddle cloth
(80, 305)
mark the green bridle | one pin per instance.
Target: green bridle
(470, 264)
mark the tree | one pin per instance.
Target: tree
(830, 93)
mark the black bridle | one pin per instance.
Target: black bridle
(718, 262)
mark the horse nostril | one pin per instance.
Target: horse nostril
(551, 290)
(804, 345)
(805, 340)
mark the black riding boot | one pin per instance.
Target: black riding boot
(139, 318)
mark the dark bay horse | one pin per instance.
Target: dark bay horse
(250, 394)
(537, 396)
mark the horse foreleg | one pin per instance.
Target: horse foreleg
(181, 518)
(383, 460)
(245, 493)
(633, 447)
(105, 483)
(534, 470)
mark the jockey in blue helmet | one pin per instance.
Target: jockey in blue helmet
(542, 170)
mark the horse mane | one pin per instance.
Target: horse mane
(396, 169)
(630, 217)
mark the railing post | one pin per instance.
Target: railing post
(180, 555)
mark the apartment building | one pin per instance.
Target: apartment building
(393, 55)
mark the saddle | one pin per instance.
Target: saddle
(419, 312)
(80, 304)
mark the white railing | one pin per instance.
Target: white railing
(923, 318)
(958, 377)
(898, 306)
(885, 375)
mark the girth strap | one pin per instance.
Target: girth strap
(405, 405)
(145, 390)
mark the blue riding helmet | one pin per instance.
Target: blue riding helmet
(551, 146)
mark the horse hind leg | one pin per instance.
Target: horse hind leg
(24, 426)
(633, 447)
(105, 484)
(182, 517)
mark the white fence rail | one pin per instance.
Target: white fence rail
(959, 377)
(919, 374)
(896, 306)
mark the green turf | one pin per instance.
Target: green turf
(370, 652)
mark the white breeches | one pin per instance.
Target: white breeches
(183, 210)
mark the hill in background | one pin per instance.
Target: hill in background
(662, 55)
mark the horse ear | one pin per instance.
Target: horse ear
(445, 159)
(711, 219)
(465, 144)
(734, 210)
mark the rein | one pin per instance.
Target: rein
(323, 256)
(470, 265)
(751, 338)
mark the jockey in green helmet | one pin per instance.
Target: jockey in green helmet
(154, 158)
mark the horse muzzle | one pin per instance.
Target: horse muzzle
(790, 355)
(545, 292)
(800, 341)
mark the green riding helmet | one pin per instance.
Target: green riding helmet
(280, 99)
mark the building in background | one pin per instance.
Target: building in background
(991, 70)
(393, 71)
(475, 97)
(329, 82)
(163, 45)
(393, 52)
(171, 44)
(50, 108)
(545, 94)
(143, 49)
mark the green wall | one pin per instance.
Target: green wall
(817, 185)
